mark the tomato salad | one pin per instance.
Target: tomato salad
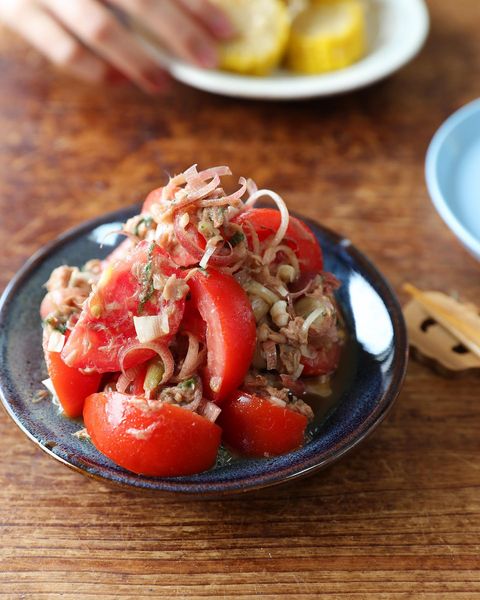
(202, 327)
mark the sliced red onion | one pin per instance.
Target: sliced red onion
(209, 173)
(191, 358)
(190, 173)
(302, 292)
(126, 378)
(189, 238)
(222, 200)
(282, 207)
(204, 190)
(160, 349)
(254, 237)
(239, 193)
(251, 187)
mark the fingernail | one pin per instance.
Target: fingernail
(205, 54)
(222, 27)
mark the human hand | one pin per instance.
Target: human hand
(85, 38)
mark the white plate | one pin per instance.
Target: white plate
(397, 31)
(452, 170)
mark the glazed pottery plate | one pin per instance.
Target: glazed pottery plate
(371, 371)
(397, 29)
(452, 170)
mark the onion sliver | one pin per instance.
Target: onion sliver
(204, 190)
(210, 411)
(190, 239)
(191, 358)
(271, 252)
(282, 207)
(312, 317)
(160, 349)
(151, 327)
(56, 341)
(257, 289)
(190, 173)
(209, 173)
(239, 193)
(126, 378)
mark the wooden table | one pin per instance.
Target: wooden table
(399, 517)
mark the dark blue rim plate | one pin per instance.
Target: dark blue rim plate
(369, 379)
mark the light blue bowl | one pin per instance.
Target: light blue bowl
(452, 171)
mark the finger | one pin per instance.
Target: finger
(175, 28)
(58, 45)
(94, 25)
(214, 19)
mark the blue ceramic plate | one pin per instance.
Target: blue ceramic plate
(453, 174)
(369, 378)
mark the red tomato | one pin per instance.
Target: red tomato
(256, 427)
(136, 387)
(181, 257)
(192, 244)
(119, 253)
(193, 323)
(162, 442)
(153, 197)
(71, 385)
(231, 331)
(299, 237)
(105, 327)
(324, 361)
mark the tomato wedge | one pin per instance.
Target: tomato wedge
(231, 331)
(105, 328)
(324, 360)
(299, 237)
(153, 197)
(119, 253)
(193, 323)
(193, 244)
(255, 427)
(71, 385)
(162, 442)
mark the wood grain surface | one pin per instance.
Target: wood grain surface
(398, 518)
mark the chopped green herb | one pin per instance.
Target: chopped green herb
(188, 383)
(56, 324)
(147, 280)
(236, 238)
(147, 221)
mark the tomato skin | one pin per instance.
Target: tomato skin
(193, 323)
(299, 237)
(97, 341)
(231, 330)
(71, 385)
(172, 441)
(153, 197)
(324, 361)
(254, 426)
(118, 253)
